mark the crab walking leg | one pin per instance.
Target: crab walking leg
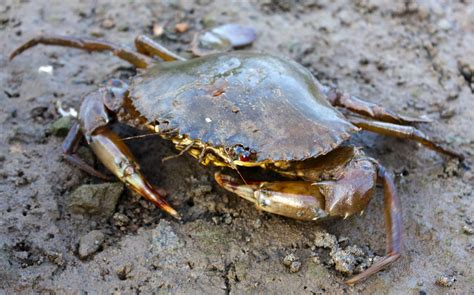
(88, 44)
(407, 132)
(149, 47)
(365, 108)
(393, 226)
(116, 156)
(70, 145)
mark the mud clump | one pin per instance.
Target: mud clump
(445, 280)
(348, 260)
(95, 199)
(90, 243)
(291, 261)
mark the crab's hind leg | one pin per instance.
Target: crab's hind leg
(400, 131)
(393, 227)
(365, 108)
(88, 44)
(149, 47)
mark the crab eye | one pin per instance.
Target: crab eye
(245, 156)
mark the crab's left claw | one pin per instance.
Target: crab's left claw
(116, 156)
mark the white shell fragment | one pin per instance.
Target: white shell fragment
(222, 39)
(46, 69)
(71, 112)
(238, 35)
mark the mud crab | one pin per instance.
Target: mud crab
(244, 109)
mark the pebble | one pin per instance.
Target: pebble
(90, 243)
(444, 24)
(56, 258)
(95, 199)
(291, 261)
(468, 229)
(445, 280)
(448, 112)
(123, 271)
(120, 219)
(181, 27)
(325, 240)
(61, 126)
(344, 261)
(108, 23)
(295, 266)
(290, 258)
(258, 223)
(468, 177)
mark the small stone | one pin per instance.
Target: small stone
(295, 266)
(468, 177)
(181, 27)
(157, 30)
(444, 24)
(235, 110)
(120, 219)
(448, 113)
(208, 21)
(289, 259)
(108, 23)
(95, 199)
(228, 219)
(468, 229)
(258, 223)
(123, 271)
(90, 243)
(56, 258)
(445, 280)
(61, 126)
(325, 240)
(345, 262)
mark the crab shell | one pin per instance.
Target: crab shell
(265, 103)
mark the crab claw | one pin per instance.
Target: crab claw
(116, 156)
(295, 199)
(135, 180)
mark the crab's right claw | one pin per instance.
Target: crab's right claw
(295, 199)
(116, 156)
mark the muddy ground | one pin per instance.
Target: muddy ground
(416, 57)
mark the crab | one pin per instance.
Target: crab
(244, 109)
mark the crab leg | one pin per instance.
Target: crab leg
(393, 227)
(88, 44)
(70, 145)
(149, 47)
(407, 132)
(365, 108)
